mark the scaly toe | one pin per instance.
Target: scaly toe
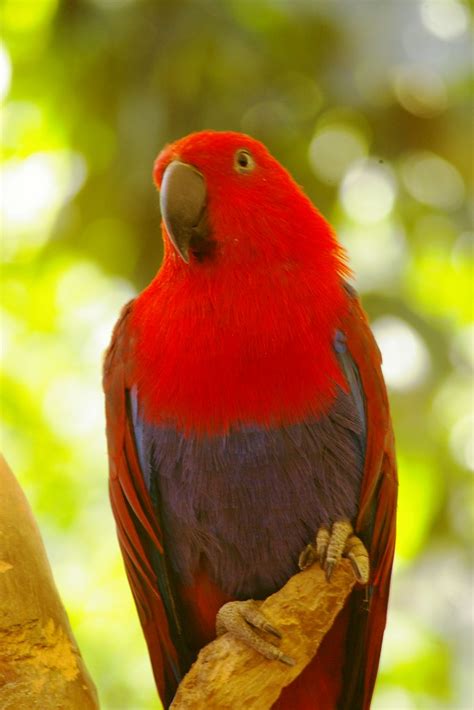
(307, 557)
(341, 530)
(356, 552)
(241, 619)
(322, 541)
(331, 545)
(250, 610)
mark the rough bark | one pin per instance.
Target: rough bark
(229, 675)
(40, 664)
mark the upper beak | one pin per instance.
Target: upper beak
(183, 203)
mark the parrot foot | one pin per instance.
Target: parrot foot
(333, 544)
(241, 619)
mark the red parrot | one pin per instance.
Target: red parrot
(248, 425)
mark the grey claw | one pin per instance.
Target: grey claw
(329, 569)
(273, 630)
(306, 558)
(356, 568)
(287, 660)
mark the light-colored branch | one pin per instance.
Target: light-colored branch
(228, 675)
(40, 665)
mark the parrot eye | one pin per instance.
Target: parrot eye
(243, 162)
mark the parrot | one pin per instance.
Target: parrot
(248, 427)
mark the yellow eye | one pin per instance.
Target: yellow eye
(243, 161)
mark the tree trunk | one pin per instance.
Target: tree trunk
(40, 664)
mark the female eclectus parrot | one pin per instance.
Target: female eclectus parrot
(247, 423)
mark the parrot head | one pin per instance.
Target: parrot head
(225, 200)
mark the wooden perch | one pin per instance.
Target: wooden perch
(229, 675)
(40, 665)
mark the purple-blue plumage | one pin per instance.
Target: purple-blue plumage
(242, 506)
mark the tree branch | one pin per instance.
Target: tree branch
(40, 664)
(229, 675)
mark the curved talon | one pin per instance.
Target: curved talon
(359, 557)
(330, 546)
(254, 616)
(328, 567)
(341, 530)
(307, 557)
(283, 658)
(323, 537)
(241, 619)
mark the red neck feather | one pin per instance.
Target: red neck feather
(245, 338)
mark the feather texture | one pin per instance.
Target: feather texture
(243, 505)
(196, 601)
(245, 407)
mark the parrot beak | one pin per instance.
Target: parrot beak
(183, 208)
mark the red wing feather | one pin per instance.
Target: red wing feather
(376, 518)
(137, 524)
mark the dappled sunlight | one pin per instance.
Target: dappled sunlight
(405, 357)
(73, 407)
(27, 17)
(462, 441)
(446, 19)
(33, 191)
(420, 495)
(432, 180)
(368, 191)
(420, 90)
(387, 239)
(332, 150)
(5, 71)
(369, 111)
(392, 697)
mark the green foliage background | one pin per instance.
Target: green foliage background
(367, 104)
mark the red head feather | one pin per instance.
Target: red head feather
(250, 328)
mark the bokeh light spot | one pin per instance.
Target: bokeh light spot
(333, 149)
(446, 19)
(5, 71)
(406, 360)
(393, 698)
(87, 303)
(432, 180)
(461, 441)
(33, 190)
(463, 249)
(384, 239)
(73, 406)
(21, 126)
(368, 191)
(420, 90)
(27, 15)
(30, 188)
(462, 348)
(301, 94)
(419, 498)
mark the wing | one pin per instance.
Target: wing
(138, 527)
(377, 509)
